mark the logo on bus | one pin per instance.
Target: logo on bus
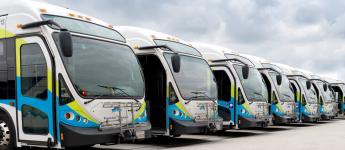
(116, 109)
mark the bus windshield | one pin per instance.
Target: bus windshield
(327, 95)
(195, 79)
(311, 93)
(284, 90)
(254, 87)
(100, 69)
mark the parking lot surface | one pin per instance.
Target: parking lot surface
(324, 135)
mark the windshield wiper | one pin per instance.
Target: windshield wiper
(91, 100)
(113, 89)
(203, 93)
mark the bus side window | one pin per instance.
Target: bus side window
(65, 96)
(33, 72)
(3, 71)
(240, 97)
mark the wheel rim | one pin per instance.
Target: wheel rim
(4, 134)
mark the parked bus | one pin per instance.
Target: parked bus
(280, 96)
(326, 98)
(338, 87)
(242, 94)
(66, 79)
(181, 90)
(307, 107)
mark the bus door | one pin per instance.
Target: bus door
(34, 88)
(226, 95)
(298, 99)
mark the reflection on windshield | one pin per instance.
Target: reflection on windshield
(96, 63)
(254, 86)
(311, 93)
(195, 79)
(285, 93)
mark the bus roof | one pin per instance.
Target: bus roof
(35, 9)
(333, 81)
(302, 72)
(286, 69)
(131, 32)
(257, 61)
(212, 52)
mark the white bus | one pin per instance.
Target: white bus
(280, 95)
(338, 88)
(242, 94)
(326, 98)
(306, 97)
(181, 91)
(66, 79)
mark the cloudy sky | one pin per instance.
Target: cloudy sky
(301, 33)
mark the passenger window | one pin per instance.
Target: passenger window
(33, 72)
(2, 48)
(3, 71)
(65, 96)
(240, 97)
(34, 121)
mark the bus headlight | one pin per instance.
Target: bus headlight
(85, 121)
(78, 118)
(176, 112)
(243, 111)
(69, 116)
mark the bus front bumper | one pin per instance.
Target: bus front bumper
(311, 118)
(178, 127)
(284, 119)
(77, 136)
(327, 116)
(253, 122)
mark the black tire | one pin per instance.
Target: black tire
(7, 133)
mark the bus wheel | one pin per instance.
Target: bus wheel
(7, 135)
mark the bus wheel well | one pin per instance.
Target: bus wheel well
(6, 117)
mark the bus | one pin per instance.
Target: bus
(181, 91)
(242, 94)
(326, 98)
(305, 95)
(280, 96)
(338, 88)
(66, 79)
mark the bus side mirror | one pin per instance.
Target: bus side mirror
(245, 71)
(308, 84)
(279, 79)
(66, 46)
(176, 63)
(325, 87)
